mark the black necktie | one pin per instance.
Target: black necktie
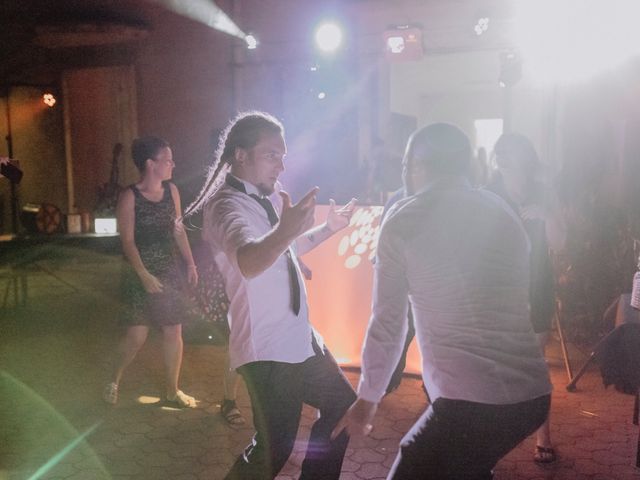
(294, 282)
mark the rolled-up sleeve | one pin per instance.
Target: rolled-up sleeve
(227, 227)
(388, 324)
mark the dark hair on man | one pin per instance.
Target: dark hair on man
(244, 132)
(516, 147)
(442, 148)
(144, 148)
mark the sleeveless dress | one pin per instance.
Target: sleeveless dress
(153, 236)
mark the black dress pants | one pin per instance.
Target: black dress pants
(277, 392)
(460, 440)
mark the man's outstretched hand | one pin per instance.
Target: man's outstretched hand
(357, 420)
(339, 218)
(297, 219)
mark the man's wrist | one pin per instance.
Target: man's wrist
(327, 229)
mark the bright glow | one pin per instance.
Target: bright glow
(321, 95)
(572, 40)
(395, 44)
(488, 130)
(482, 25)
(204, 11)
(328, 37)
(106, 225)
(147, 399)
(252, 43)
(49, 99)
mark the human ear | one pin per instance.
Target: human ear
(240, 155)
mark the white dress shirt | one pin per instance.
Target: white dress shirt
(262, 323)
(460, 255)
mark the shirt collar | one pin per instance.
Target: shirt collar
(446, 181)
(249, 188)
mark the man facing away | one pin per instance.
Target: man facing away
(460, 256)
(272, 344)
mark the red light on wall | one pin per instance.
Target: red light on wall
(403, 44)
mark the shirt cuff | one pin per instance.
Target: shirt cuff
(368, 393)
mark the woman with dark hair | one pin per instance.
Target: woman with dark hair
(152, 235)
(516, 180)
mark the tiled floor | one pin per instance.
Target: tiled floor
(54, 354)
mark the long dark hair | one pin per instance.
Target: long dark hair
(242, 132)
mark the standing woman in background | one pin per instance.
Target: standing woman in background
(517, 181)
(151, 239)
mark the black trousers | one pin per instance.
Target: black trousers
(277, 392)
(460, 440)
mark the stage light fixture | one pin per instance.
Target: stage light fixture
(481, 26)
(328, 37)
(403, 43)
(510, 69)
(395, 44)
(252, 42)
(49, 99)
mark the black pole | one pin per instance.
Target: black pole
(12, 186)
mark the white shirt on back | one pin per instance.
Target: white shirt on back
(262, 323)
(460, 255)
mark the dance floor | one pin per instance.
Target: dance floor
(55, 350)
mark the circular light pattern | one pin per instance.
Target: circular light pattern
(353, 261)
(343, 245)
(354, 238)
(364, 236)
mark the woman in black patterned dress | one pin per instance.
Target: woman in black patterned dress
(151, 241)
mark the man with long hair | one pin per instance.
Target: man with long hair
(272, 344)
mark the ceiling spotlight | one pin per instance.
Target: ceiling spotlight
(49, 99)
(403, 43)
(481, 26)
(395, 44)
(321, 96)
(251, 41)
(510, 69)
(328, 37)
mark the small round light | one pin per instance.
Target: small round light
(321, 95)
(49, 99)
(252, 42)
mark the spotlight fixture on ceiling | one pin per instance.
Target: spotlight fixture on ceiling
(251, 41)
(482, 25)
(510, 69)
(403, 42)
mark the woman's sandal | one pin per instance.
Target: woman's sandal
(231, 414)
(544, 455)
(182, 400)
(110, 393)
